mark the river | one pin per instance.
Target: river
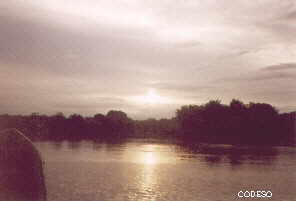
(147, 170)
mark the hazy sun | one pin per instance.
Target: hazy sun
(151, 97)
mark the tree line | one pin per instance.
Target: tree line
(237, 123)
(212, 122)
(114, 125)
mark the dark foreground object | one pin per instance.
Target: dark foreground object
(21, 171)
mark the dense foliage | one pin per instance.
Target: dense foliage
(115, 125)
(253, 123)
(213, 122)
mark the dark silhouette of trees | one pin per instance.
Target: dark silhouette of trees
(118, 125)
(96, 127)
(58, 127)
(152, 128)
(213, 122)
(287, 126)
(204, 122)
(75, 127)
(253, 123)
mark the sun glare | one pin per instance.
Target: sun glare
(151, 97)
(149, 158)
(149, 155)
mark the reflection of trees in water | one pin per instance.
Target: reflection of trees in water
(57, 144)
(95, 145)
(213, 158)
(235, 159)
(234, 155)
(74, 144)
(212, 154)
(108, 144)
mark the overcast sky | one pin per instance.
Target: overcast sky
(90, 56)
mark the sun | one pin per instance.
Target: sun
(151, 98)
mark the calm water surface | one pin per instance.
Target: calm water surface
(158, 171)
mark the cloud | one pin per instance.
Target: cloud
(59, 55)
(273, 76)
(90, 105)
(281, 67)
(179, 87)
(291, 15)
(288, 108)
(285, 71)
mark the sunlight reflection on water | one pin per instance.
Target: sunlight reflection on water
(144, 171)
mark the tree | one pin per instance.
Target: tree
(118, 124)
(76, 127)
(57, 127)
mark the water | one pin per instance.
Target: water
(159, 171)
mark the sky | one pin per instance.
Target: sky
(145, 57)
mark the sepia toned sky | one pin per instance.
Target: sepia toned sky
(145, 57)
